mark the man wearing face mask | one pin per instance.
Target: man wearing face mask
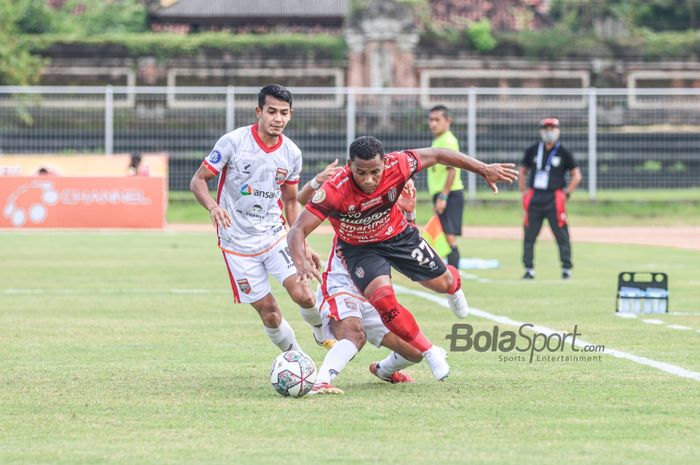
(546, 193)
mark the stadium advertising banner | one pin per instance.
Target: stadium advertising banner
(83, 191)
(155, 164)
(71, 202)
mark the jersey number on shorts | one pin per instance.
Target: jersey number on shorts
(419, 256)
(287, 256)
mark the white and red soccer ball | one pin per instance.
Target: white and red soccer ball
(293, 374)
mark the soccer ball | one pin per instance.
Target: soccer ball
(293, 374)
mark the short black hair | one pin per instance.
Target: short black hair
(366, 148)
(441, 108)
(276, 91)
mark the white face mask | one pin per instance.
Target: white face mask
(549, 136)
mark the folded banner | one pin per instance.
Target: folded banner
(105, 202)
(435, 236)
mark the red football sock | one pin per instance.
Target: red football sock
(398, 319)
(456, 280)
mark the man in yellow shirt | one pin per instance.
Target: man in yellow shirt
(445, 183)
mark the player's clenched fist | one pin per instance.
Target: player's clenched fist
(220, 217)
(499, 172)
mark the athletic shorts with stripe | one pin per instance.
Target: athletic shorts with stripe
(249, 273)
(344, 303)
(340, 299)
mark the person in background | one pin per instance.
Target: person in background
(445, 182)
(546, 193)
(137, 167)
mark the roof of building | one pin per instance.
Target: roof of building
(249, 8)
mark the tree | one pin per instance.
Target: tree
(17, 64)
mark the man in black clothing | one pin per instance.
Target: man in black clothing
(546, 194)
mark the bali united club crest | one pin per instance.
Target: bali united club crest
(244, 285)
(360, 272)
(281, 176)
(392, 194)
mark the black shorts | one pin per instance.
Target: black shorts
(451, 217)
(407, 252)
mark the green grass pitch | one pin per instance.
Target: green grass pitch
(125, 348)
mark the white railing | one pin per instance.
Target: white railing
(655, 131)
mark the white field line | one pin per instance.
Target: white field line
(681, 327)
(654, 322)
(86, 291)
(663, 366)
(628, 316)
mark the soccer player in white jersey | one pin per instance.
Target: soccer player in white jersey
(348, 317)
(259, 172)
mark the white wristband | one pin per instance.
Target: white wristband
(410, 215)
(314, 184)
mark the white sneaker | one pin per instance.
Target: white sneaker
(458, 304)
(436, 358)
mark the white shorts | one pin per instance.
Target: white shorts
(343, 303)
(249, 273)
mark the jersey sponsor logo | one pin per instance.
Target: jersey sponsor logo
(247, 189)
(244, 286)
(360, 272)
(342, 181)
(281, 176)
(215, 157)
(354, 219)
(319, 196)
(392, 194)
(412, 164)
(370, 203)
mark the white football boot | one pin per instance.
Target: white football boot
(436, 358)
(458, 304)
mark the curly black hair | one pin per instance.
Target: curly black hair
(276, 91)
(366, 148)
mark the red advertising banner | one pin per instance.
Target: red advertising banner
(105, 202)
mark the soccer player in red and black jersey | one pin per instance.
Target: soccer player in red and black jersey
(374, 236)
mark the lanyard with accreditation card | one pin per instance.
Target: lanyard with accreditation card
(542, 174)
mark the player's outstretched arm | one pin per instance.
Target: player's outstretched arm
(492, 173)
(296, 240)
(198, 185)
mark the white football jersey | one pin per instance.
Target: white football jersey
(249, 187)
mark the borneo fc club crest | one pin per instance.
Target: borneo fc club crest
(244, 286)
(281, 176)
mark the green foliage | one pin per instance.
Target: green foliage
(165, 45)
(34, 17)
(89, 17)
(657, 15)
(553, 43)
(669, 44)
(17, 65)
(480, 36)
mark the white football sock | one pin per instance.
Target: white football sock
(283, 336)
(340, 354)
(391, 364)
(313, 318)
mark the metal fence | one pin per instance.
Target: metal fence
(621, 138)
